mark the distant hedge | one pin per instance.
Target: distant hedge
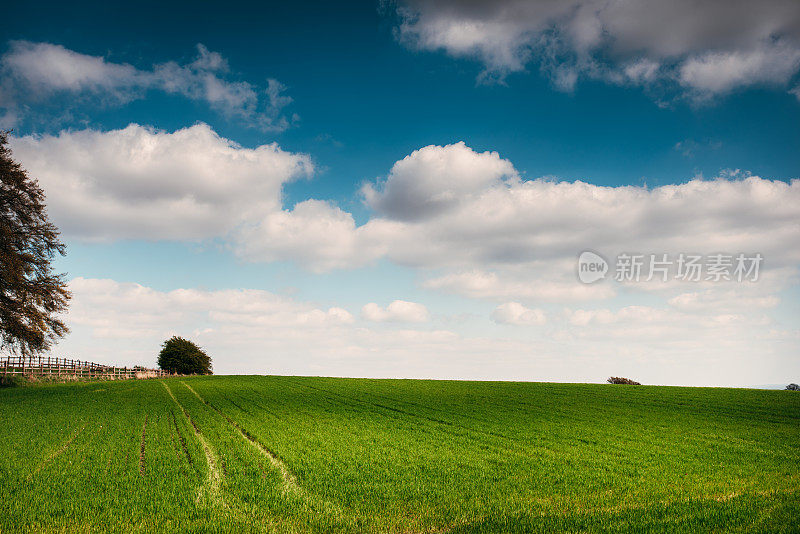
(621, 380)
(183, 357)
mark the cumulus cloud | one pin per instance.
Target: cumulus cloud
(735, 298)
(45, 68)
(531, 284)
(434, 179)
(399, 311)
(314, 233)
(142, 311)
(33, 72)
(143, 183)
(709, 47)
(247, 330)
(719, 72)
(505, 238)
(708, 301)
(465, 218)
(515, 313)
(641, 328)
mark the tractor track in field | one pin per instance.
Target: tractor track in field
(142, 461)
(214, 479)
(58, 452)
(181, 439)
(289, 480)
(290, 483)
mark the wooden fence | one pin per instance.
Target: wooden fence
(42, 366)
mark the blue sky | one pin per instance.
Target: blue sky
(348, 92)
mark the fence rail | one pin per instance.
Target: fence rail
(64, 367)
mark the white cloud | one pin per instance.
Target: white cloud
(516, 314)
(719, 72)
(493, 236)
(256, 331)
(509, 239)
(399, 311)
(728, 300)
(506, 239)
(143, 183)
(314, 233)
(711, 46)
(128, 310)
(637, 324)
(510, 283)
(434, 179)
(45, 68)
(33, 72)
(642, 71)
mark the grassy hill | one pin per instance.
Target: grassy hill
(291, 454)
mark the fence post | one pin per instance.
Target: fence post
(79, 369)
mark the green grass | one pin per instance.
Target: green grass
(290, 454)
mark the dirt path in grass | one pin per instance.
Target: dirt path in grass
(289, 481)
(58, 452)
(213, 480)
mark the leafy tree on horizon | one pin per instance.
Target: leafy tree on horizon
(31, 295)
(181, 356)
(622, 380)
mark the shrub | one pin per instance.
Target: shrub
(793, 387)
(183, 357)
(621, 380)
(11, 381)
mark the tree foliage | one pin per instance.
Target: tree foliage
(31, 295)
(622, 380)
(793, 387)
(181, 356)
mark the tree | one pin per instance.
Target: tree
(183, 357)
(621, 380)
(31, 295)
(793, 387)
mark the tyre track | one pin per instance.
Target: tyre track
(181, 439)
(289, 480)
(290, 483)
(142, 448)
(213, 480)
(58, 452)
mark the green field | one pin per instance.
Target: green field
(291, 454)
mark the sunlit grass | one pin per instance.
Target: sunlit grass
(290, 454)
